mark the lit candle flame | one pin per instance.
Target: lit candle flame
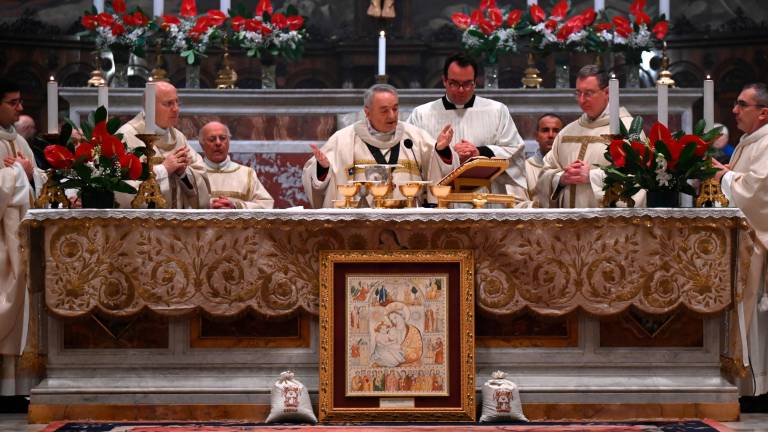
(52, 78)
(709, 77)
(381, 33)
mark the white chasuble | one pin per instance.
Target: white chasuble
(188, 191)
(349, 147)
(238, 183)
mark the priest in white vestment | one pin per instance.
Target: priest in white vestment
(547, 127)
(233, 186)
(482, 127)
(181, 174)
(18, 178)
(379, 139)
(744, 182)
(571, 176)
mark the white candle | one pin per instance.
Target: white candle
(709, 102)
(382, 53)
(224, 6)
(149, 107)
(53, 106)
(664, 8)
(157, 7)
(663, 106)
(613, 105)
(599, 5)
(99, 5)
(103, 97)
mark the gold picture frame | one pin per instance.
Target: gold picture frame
(390, 314)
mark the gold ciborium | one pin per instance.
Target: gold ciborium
(348, 191)
(440, 192)
(479, 200)
(379, 191)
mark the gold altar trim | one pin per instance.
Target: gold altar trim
(603, 266)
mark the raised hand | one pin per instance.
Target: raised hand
(321, 158)
(445, 137)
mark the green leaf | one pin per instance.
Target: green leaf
(87, 130)
(100, 115)
(113, 125)
(65, 134)
(698, 129)
(82, 171)
(712, 134)
(291, 10)
(124, 187)
(636, 127)
(623, 129)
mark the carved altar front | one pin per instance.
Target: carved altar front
(588, 267)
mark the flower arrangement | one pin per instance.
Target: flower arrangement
(190, 35)
(486, 33)
(639, 34)
(663, 162)
(276, 33)
(118, 29)
(97, 162)
(549, 33)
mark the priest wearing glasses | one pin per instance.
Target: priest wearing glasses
(380, 138)
(482, 127)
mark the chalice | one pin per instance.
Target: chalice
(410, 190)
(379, 191)
(348, 191)
(440, 192)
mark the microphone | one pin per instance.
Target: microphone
(409, 145)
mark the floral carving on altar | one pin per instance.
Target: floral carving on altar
(173, 267)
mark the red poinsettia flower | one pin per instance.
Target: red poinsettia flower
(537, 14)
(105, 19)
(496, 17)
(642, 151)
(642, 18)
(253, 25)
(601, 27)
(90, 22)
(279, 20)
(487, 4)
(588, 16)
(661, 29)
(263, 6)
(476, 17)
(659, 132)
(136, 19)
(237, 23)
(59, 156)
(118, 6)
(622, 25)
(100, 131)
(514, 17)
(85, 151)
(636, 7)
(485, 26)
(560, 9)
(118, 29)
(675, 149)
(216, 17)
(295, 22)
(188, 8)
(460, 20)
(616, 148)
(201, 26)
(169, 20)
(551, 25)
(701, 146)
(111, 146)
(132, 164)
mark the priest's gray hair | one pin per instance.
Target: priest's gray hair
(200, 132)
(761, 93)
(377, 88)
(594, 71)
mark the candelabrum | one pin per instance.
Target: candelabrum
(158, 73)
(97, 76)
(665, 76)
(711, 193)
(149, 190)
(531, 79)
(226, 76)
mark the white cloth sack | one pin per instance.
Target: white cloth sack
(501, 400)
(290, 401)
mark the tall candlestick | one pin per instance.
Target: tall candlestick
(613, 105)
(99, 5)
(225, 5)
(663, 106)
(664, 9)
(157, 7)
(382, 53)
(103, 97)
(599, 5)
(53, 106)
(149, 107)
(709, 102)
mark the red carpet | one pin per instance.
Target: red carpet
(654, 426)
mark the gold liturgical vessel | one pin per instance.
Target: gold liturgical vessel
(149, 190)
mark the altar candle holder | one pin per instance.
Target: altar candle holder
(149, 190)
(97, 76)
(665, 76)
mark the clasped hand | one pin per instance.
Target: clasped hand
(178, 161)
(26, 164)
(577, 172)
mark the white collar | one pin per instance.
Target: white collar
(8, 134)
(217, 166)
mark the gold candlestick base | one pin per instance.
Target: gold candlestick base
(97, 76)
(532, 78)
(158, 73)
(382, 79)
(711, 193)
(149, 190)
(665, 76)
(52, 194)
(226, 77)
